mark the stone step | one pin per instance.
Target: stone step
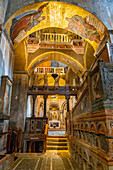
(56, 148)
(56, 139)
(57, 143)
(57, 136)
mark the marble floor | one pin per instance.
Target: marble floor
(47, 161)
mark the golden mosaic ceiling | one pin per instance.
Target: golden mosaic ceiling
(53, 14)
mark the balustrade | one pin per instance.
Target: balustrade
(54, 37)
(49, 70)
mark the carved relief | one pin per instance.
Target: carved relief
(107, 78)
(83, 106)
(96, 86)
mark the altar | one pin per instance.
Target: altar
(54, 124)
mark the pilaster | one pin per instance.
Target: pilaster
(19, 100)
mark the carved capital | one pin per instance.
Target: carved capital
(67, 96)
(45, 96)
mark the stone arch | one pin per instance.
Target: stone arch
(89, 167)
(85, 155)
(77, 148)
(87, 128)
(98, 13)
(101, 128)
(80, 151)
(93, 127)
(100, 167)
(79, 126)
(91, 161)
(63, 23)
(66, 59)
(82, 126)
(76, 126)
(63, 106)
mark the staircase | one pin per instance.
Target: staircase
(56, 144)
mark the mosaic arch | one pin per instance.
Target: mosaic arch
(55, 14)
(75, 65)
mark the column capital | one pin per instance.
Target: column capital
(34, 96)
(67, 96)
(45, 96)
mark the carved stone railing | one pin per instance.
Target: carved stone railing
(52, 90)
(35, 131)
(35, 125)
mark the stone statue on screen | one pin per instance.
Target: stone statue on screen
(35, 82)
(57, 81)
(45, 80)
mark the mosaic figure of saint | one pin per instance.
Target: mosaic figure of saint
(26, 21)
(80, 26)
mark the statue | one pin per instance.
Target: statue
(45, 80)
(35, 81)
(67, 79)
(57, 80)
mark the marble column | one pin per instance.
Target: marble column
(45, 104)
(68, 126)
(110, 51)
(67, 98)
(33, 110)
